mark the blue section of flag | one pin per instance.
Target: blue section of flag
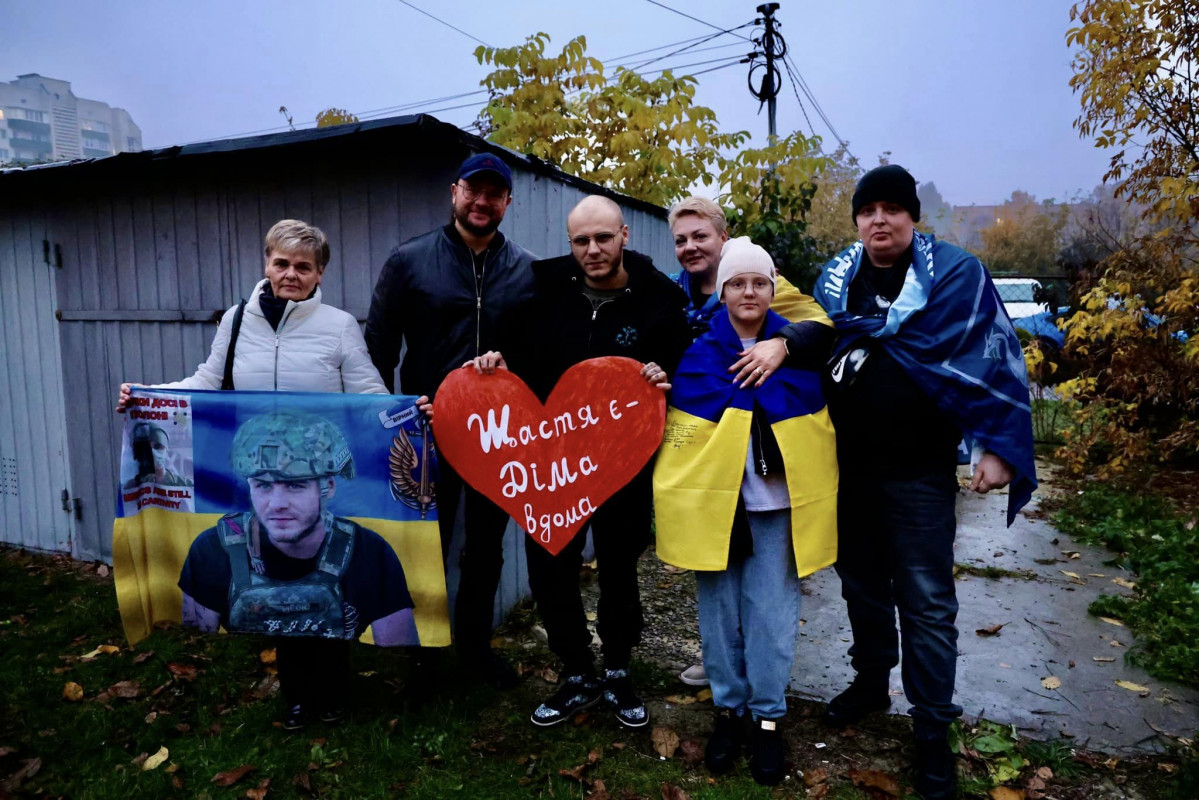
(703, 386)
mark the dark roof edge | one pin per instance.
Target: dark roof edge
(423, 122)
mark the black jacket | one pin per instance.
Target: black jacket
(427, 297)
(558, 328)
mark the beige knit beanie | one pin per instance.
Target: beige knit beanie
(739, 256)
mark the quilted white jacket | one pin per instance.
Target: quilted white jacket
(317, 348)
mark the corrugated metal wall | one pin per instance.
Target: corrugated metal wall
(34, 512)
(148, 265)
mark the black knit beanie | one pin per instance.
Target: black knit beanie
(890, 183)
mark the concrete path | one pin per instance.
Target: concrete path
(1047, 633)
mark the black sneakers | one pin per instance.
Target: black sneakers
(767, 756)
(618, 693)
(294, 718)
(861, 699)
(720, 754)
(576, 693)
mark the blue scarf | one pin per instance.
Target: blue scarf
(703, 386)
(948, 330)
(697, 317)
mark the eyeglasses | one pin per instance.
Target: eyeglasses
(493, 196)
(583, 242)
(741, 284)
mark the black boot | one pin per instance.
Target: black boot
(767, 760)
(863, 697)
(936, 769)
(724, 745)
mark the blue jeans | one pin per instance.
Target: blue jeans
(748, 621)
(895, 551)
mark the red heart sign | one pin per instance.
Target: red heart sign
(550, 467)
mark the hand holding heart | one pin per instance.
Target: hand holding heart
(551, 466)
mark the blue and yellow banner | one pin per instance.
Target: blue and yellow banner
(702, 460)
(281, 513)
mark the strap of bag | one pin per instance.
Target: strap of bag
(227, 381)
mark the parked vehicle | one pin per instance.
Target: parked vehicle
(1019, 296)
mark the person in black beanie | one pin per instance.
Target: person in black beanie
(900, 407)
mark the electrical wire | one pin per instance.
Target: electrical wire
(689, 47)
(798, 80)
(694, 19)
(443, 22)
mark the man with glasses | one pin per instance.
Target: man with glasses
(442, 294)
(601, 300)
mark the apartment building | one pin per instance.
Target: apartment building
(41, 119)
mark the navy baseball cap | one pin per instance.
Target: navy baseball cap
(485, 162)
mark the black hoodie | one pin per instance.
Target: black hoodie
(559, 328)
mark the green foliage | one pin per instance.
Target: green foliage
(1056, 754)
(1162, 547)
(645, 138)
(997, 747)
(771, 206)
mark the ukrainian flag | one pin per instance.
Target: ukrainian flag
(172, 493)
(701, 463)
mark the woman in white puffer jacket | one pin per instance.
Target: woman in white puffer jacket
(289, 340)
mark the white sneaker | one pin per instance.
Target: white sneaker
(694, 675)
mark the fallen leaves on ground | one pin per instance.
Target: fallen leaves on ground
(672, 792)
(259, 792)
(1127, 584)
(122, 690)
(185, 672)
(1111, 621)
(72, 691)
(1134, 687)
(155, 761)
(680, 699)
(1103, 659)
(1051, 682)
(140, 657)
(29, 767)
(665, 740)
(548, 675)
(598, 791)
(704, 695)
(102, 650)
(991, 630)
(812, 777)
(267, 656)
(1006, 793)
(691, 752)
(875, 779)
(232, 776)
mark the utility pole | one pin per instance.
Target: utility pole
(773, 48)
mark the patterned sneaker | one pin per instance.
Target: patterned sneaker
(618, 693)
(576, 693)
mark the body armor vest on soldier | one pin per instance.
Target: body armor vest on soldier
(308, 606)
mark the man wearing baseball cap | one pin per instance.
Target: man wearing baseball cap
(442, 294)
(924, 354)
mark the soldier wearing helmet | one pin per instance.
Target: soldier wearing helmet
(290, 567)
(150, 448)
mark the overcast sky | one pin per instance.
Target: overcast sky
(969, 94)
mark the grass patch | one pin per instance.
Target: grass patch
(991, 572)
(1162, 547)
